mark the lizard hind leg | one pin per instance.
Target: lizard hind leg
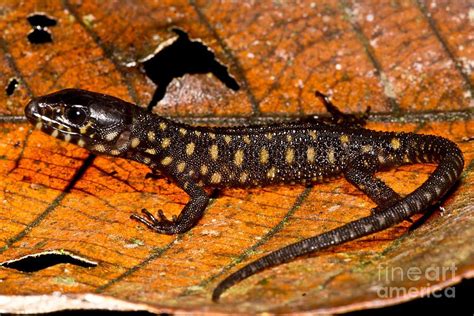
(361, 173)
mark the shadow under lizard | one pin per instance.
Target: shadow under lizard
(308, 150)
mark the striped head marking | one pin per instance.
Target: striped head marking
(98, 122)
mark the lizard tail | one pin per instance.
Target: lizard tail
(450, 165)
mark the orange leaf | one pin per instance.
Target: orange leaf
(67, 214)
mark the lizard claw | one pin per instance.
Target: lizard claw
(148, 215)
(160, 223)
(162, 216)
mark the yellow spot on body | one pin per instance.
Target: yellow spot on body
(312, 134)
(310, 154)
(146, 160)
(289, 138)
(198, 133)
(99, 148)
(38, 125)
(151, 151)
(214, 151)
(227, 139)
(263, 155)
(271, 173)
(344, 139)
(216, 177)
(81, 143)
(239, 157)
(191, 172)
(366, 148)
(190, 149)
(290, 155)
(246, 139)
(135, 142)
(269, 135)
(115, 152)
(166, 161)
(55, 133)
(165, 142)
(111, 136)
(395, 143)
(67, 137)
(182, 131)
(151, 136)
(406, 158)
(428, 196)
(180, 167)
(243, 177)
(83, 129)
(186, 185)
(163, 126)
(204, 169)
(212, 135)
(331, 156)
(381, 158)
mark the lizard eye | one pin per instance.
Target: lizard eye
(76, 115)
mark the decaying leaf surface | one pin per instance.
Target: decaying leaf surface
(410, 62)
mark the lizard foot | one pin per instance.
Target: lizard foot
(161, 224)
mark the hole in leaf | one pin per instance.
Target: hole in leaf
(180, 56)
(43, 260)
(40, 35)
(41, 19)
(11, 86)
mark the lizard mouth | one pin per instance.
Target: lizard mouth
(43, 117)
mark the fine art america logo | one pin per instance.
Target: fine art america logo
(430, 275)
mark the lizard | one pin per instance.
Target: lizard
(308, 150)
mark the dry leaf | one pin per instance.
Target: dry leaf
(67, 213)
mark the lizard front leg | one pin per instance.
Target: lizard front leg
(189, 216)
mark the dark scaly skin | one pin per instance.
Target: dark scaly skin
(305, 151)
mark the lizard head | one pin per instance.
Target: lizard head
(95, 121)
